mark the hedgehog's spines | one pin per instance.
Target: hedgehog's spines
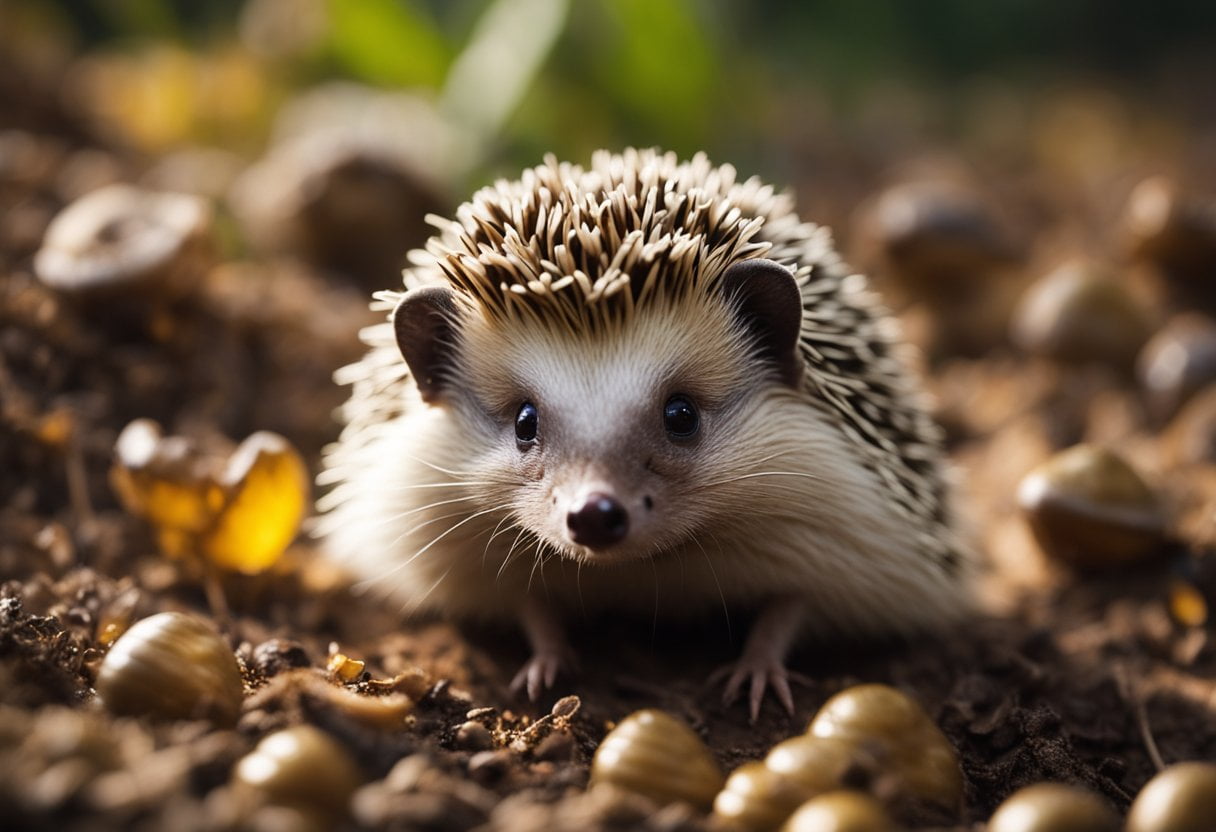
(581, 249)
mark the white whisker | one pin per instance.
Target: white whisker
(413, 605)
(437, 503)
(452, 473)
(654, 620)
(454, 484)
(497, 531)
(453, 528)
(578, 585)
(398, 567)
(510, 552)
(535, 561)
(386, 520)
(756, 474)
(423, 525)
(721, 595)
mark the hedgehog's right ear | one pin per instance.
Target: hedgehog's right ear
(767, 301)
(424, 322)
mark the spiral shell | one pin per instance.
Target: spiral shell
(1053, 807)
(653, 753)
(816, 764)
(910, 744)
(172, 666)
(758, 799)
(300, 767)
(1180, 799)
(842, 811)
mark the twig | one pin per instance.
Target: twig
(213, 587)
(78, 487)
(1146, 734)
(1137, 703)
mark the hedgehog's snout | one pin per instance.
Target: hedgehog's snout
(599, 522)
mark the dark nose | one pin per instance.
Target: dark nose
(599, 522)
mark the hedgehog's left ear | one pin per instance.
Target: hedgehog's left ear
(767, 302)
(424, 322)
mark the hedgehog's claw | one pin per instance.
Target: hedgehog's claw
(763, 659)
(761, 674)
(538, 674)
(551, 653)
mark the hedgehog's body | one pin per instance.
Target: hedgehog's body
(617, 405)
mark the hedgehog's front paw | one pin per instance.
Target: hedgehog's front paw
(763, 661)
(540, 672)
(551, 653)
(759, 673)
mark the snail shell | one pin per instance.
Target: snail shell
(1053, 807)
(881, 717)
(300, 767)
(842, 811)
(172, 666)
(653, 753)
(758, 799)
(816, 764)
(1087, 507)
(1180, 799)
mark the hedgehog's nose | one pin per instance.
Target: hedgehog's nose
(599, 522)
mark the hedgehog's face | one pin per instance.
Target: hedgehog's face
(607, 446)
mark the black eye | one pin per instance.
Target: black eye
(525, 422)
(680, 417)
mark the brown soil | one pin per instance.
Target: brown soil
(1069, 678)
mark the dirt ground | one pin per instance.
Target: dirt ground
(1077, 678)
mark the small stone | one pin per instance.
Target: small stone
(474, 736)
(407, 773)
(277, 655)
(1087, 507)
(489, 766)
(1079, 314)
(1177, 363)
(558, 747)
(1176, 231)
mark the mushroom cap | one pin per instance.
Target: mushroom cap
(936, 235)
(120, 236)
(1177, 362)
(1079, 314)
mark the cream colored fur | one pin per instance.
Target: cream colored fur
(772, 500)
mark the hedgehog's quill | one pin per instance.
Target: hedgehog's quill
(643, 377)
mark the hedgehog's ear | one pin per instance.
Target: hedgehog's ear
(424, 322)
(767, 301)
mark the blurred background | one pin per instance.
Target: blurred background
(831, 97)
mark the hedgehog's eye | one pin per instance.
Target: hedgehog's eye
(526, 421)
(680, 417)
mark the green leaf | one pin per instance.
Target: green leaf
(658, 61)
(389, 42)
(497, 67)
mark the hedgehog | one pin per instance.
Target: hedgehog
(643, 384)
